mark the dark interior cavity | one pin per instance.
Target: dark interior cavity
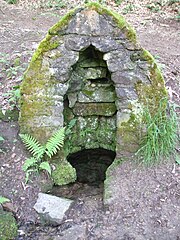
(91, 164)
(99, 80)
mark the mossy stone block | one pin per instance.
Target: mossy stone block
(94, 109)
(8, 226)
(63, 174)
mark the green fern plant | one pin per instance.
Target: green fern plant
(40, 152)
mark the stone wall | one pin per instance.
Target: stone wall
(91, 68)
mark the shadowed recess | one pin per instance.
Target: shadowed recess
(91, 164)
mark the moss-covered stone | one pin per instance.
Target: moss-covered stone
(108, 183)
(93, 109)
(63, 174)
(58, 27)
(118, 19)
(73, 53)
(8, 226)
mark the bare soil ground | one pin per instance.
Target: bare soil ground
(146, 204)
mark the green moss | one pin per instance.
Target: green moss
(155, 73)
(146, 56)
(92, 132)
(88, 93)
(45, 45)
(8, 226)
(150, 95)
(54, 30)
(91, 109)
(118, 19)
(35, 99)
(64, 174)
(128, 135)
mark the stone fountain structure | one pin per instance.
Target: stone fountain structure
(91, 70)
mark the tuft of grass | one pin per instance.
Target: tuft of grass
(161, 133)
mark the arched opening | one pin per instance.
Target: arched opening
(90, 103)
(91, 164)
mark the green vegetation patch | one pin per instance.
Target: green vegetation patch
(161, 133)
(64, 174)
(8, 226)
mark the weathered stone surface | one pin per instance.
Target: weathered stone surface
(51, 209)
(106, 94)
(90, 63)
(72, 97)
(126, 93)
(47, 121)
(108, 44)
(90, 23)
(88, 122)
(75, 82)
(94, 73)
(89, 69)
(57, 90)
(63, 64)
(119, 61)
(76, 42)
(76, 232)
(97, 109)
(129, 78)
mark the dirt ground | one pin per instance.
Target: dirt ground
(146, 204)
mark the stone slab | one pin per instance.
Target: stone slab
(104, 95)
(52, 209)
(94, 109)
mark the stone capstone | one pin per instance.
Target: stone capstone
(51, 209)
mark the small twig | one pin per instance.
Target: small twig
(1, 11)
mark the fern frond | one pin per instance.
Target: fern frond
(3, 200)
(30, 162)
(33, 145)
(45, 166)
(55, 142)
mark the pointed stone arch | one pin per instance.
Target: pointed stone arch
(135, 77)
